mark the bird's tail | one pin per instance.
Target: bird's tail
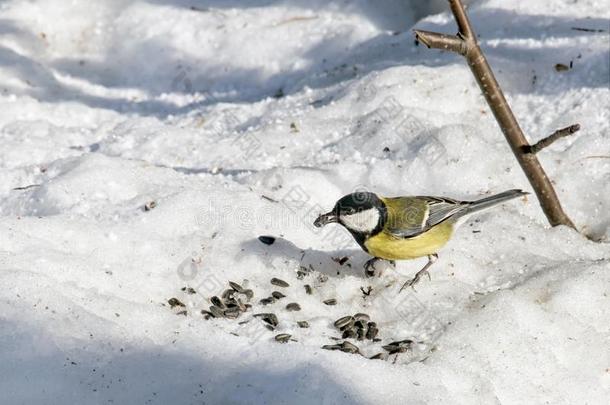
(487, 202)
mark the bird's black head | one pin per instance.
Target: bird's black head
(360, 212)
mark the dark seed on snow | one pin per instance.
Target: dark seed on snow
(216, 311)
(236, 286)
(207, 314)
(372, 332)
(228, 293)
(232, 313)
(303, 324)
(268, 300)
(241, 306)
(349, 334)
(277, 295)
(360, 324)
(308, 289)
(331, 347)
(268, 317)
(361, 333)
(267, 240)
(270, 327)
(379, 356)
(349, 347)
(217, 301)
(282, 337)
(343, 322)
(181, 313)
(361, 317)
(406, 342)
(175, 302)
(330, 301)
(279, 283)
(293, 306)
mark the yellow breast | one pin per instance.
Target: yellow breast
(386, 246)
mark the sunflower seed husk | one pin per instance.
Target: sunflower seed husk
(396, 347)
(379, 356)
(362, 317)
(236, 286)
(330, 301)
(232, 313)
(308, 289)
(266, 301)
(303, 324)
(241, 306)
(360, 324)
(331, 347)
(217, 312)
(228, 294)
(348, 347)
(343, 322)
(277, 295)
(361, 333)
(372, 332)
(229, 304)
(269, 318)
(270, 327)
(282, 337)
(293, 306)
(175, 302)
(248, 293)
(279, 283)
(207, 314)
(405, 342)
(181, 312)
(349, 334)
(217, 301)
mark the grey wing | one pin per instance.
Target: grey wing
(438, 210)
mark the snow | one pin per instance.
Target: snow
(241, 119)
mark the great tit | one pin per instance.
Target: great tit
(401, 228)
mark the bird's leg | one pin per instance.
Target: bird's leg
(431, 259)
(370, 270)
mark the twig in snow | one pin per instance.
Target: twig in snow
(26, 187)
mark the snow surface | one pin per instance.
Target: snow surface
(206, 106)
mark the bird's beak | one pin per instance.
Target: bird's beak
(324, 219)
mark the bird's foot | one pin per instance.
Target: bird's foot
(372, 268)
(411, 283)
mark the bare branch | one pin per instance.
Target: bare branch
(465, 44)
(461, 18)
(441, 41)
(560, 133)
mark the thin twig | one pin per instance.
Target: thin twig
(441, 41)
(26, 187)
(560, 133)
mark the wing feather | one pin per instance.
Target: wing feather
(412, 216)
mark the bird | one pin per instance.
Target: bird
(403, 228)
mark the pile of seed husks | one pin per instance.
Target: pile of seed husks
(236, 301)
(231, 304)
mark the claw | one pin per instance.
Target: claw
(411, 283)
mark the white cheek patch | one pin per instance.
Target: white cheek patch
(364, 221)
